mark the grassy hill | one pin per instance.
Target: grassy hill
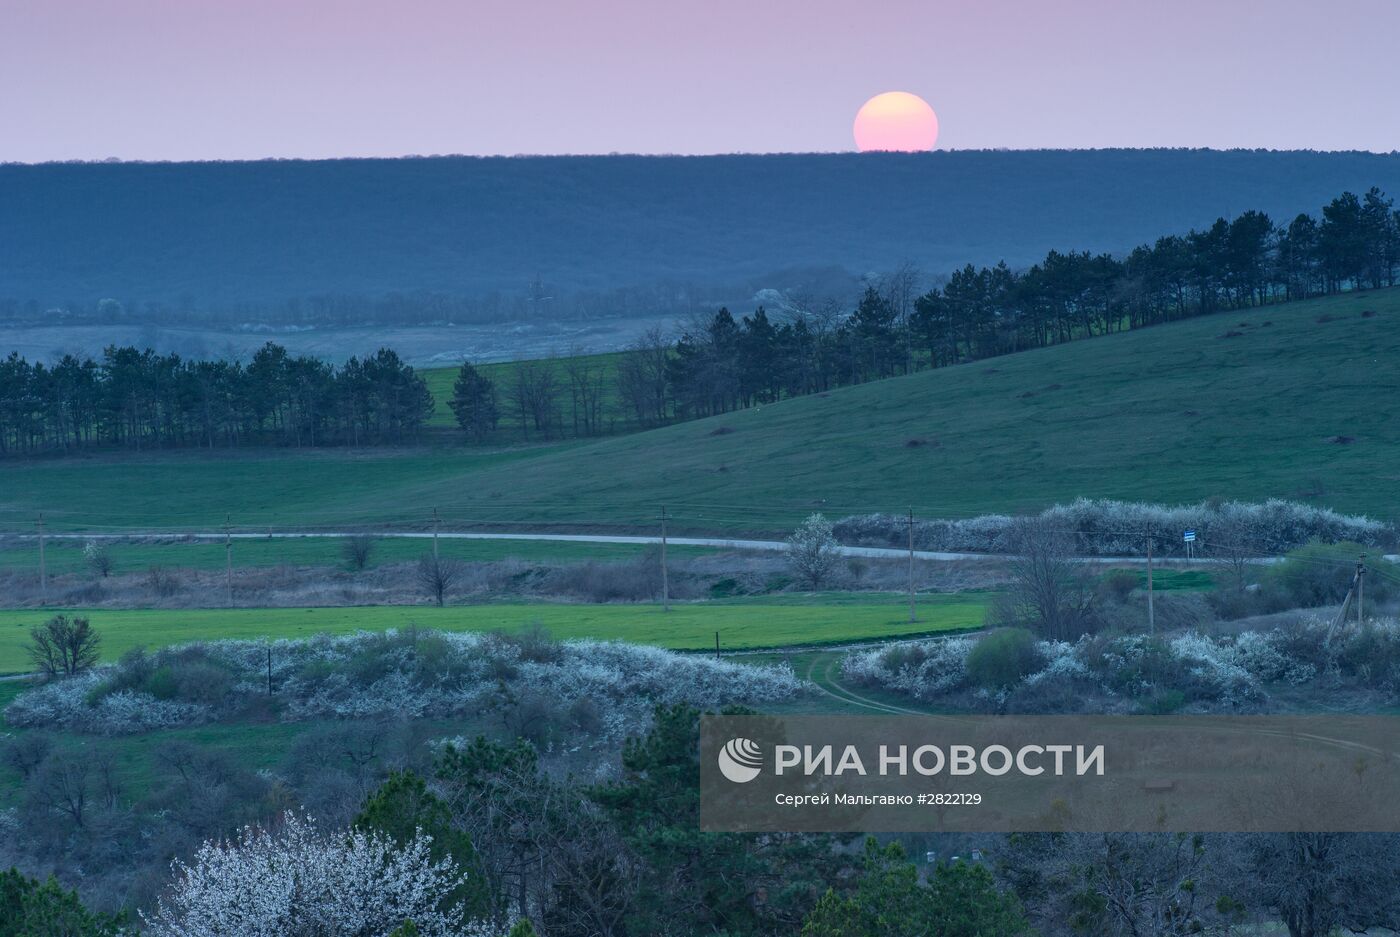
(1294, 401)
(234, 235)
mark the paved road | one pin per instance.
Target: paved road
(719, 542)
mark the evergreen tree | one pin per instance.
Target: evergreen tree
(474, 403)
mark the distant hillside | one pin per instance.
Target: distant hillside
(208, 235)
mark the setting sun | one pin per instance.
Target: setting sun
(898, 121)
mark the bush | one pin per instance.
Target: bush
(1320, 574)
(409, 674)
(1119, 528)
(924, 669)
(1118, 584)
(1003, 659)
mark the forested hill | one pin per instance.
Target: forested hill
(205, 234)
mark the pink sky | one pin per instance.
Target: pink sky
(230, 79)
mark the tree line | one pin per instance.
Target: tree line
(141, 399)
(133, 399)
(722, 363)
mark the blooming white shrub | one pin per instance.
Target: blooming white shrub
(66, 703)
(1062, 664)
(302, 882)
(922, 669)
(1217, 666)
(411, 674)
(1118, 528)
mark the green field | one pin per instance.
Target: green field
(66, 555)
(742, 623)
(1298, 403)
(502, 374)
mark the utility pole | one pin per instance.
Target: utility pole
(1360, 585)
(228, 558)
(1151, 617)
(913, 613)
(665, 581)
(435, 535)
(43, 567)
(716, 643)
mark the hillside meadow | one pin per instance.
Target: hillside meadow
(1293, 400)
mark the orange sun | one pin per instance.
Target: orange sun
(896, 120)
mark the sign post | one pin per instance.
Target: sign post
(1189, 538)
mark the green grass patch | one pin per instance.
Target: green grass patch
(769, 622)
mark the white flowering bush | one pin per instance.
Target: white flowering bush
(1062, 665)
(1118, 528)
(407, 673)
(1127, 672)
(69, 703)
(922, 669)
(1215, 669)
(302, 882)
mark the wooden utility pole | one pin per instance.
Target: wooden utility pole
(228, 558)
(1360, 585)
(913, 612)
(1151, 617)
(665, 580)
(435, 535)
(43, 567)
(716, 643)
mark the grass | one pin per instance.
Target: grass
(65, 556)
(1294, 408)
(502, 374)
(771, 621)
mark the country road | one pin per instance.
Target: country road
(726, 543)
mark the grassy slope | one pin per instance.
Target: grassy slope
(1174, 413)
(742, 623)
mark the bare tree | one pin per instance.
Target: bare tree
(535, 395)
(438, 576)
(24, 753)
(812, 550)
(357, 551)
(1234, 542)
(1120, 884)
(641, 377)
(63, 786)
(899, 288)
(1050, 591)
(1323, 883)
(63, 646)
(586, 384)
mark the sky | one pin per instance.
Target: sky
(248, 79)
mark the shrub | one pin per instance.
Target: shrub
(1003, 659)
(1320, 574)
(923, 669)
(410, 673)
(1118, 584)
(1119, 528)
